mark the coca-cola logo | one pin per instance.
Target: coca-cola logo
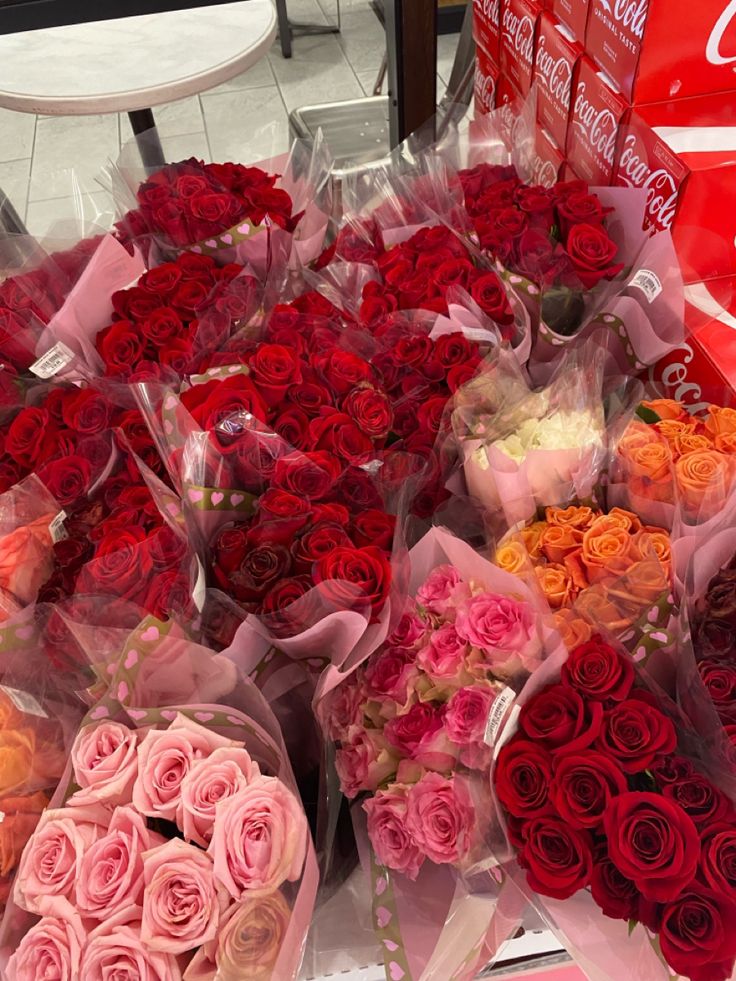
(660, 185)
(489, 9)
(485, 88)
(675, 378)
(715, 42)
(556, 74)
(631, 14)
(598, 124)
(544, 172)
(520, 31)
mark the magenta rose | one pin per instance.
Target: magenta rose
(364, 761)
(438, 590)
(467, 714)
(105, 763)
(500, 626)
(259, 839)
(209, 782)
(441, 818)
(52, 948)
(390, 673)
(408, 631)
(443, 659)
(387, 829)
(342, 708)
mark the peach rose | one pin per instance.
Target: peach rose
(26, 560)
(572, 628)
(512, 557)
(651, 460)
(21, 815)
(651, 541)
(666, 408)
(673, 430)
(530, 537)
(597, 606)
(721, 421)
(556, 582)
(725, 443)
(606, 548)
(641, 586)
(576, 516)
(557, 541)
(703, 479)
(17, 751)
(251, 935)
(619, 517)
(690, 442)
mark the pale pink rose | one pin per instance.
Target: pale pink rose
(387, 829)
(26, 560)
(51, 949)
(342, 707)
(443, 658)
(364, 762)
(437, 593)
(260, 838)
(441, 817)
(209, 781)
(467, 714)
(436, 751)
(115, 952)
(105, 761)
(52, 859)
(499, 626)
(165, 756)
(111, 872)
(181, 904)
(410, 629)
(391, 674)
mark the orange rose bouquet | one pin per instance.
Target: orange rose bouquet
(669, 462)
(597, 569)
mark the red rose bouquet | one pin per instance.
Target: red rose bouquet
(177, 846)
(596, 798)
(412, 728)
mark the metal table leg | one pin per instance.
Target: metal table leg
(144, 129)
(290, 29)
(10, 221)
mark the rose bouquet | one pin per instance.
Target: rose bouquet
(178, 847)
(600, 807)
(412, 729)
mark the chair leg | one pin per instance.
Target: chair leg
(10, 221)
(146, 135)
(284, 28)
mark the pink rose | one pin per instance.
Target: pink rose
(406, 732)
(439, 591)
(181, 906)
(364, 762)
(260, 838)
(390, 674)
(51, 949)
(342, 708)
(105, 761)
(465, 723)
(443, 658)
(210, 781)
(500, 626)
(409, 629)
(116, 951)
(51, 861)
(387, 829)
(165, 756)
(111, 872)
(440, 818)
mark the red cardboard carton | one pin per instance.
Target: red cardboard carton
(574, 14)
(597, 111)
(664, 49)
(486, 79)
(518, 33)
(548, 159)
(487, 26)
(556, 58)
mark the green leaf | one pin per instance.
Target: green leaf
(646, 415)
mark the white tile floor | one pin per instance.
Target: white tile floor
(50, 166)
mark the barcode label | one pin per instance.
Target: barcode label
(649, 283)
(56, 358)
(57, 529)
(23, 701)
(495, 716)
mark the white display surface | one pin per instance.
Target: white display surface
(134, 62)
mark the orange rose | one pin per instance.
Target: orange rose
(651, 542)
(512, 557)
(725, 443)
(721, 421)
(572, 628)
(639, 588)
(649, 457)
(689, 442)
(557, 541)
(26, 560)
(703, 479)
(21, 816)
(596, 605)
(674, 429)
(620, 518)
(606, 548)
(10, 716)
(17, 748)
(531, 535)
(574, 516)
(556, 583)
(666, 408)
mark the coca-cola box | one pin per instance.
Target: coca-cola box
(518, 33)
(597, 110)
(487, 26)
(509, 102)
(555, 61)
(574, 14)
(486, 80)
(664, 49)
(547, 159)
(683, 153)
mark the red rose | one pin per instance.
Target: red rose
(592, 253)
(285, 593)
(87, 411)
(178, 354)
(598, 672)
(343, 371)
(454, 272)
(430, 414)
(225, 402)
(229, 548)
(358, 490)
(697, 796)
(634, 733)
(310, 475)
(490, 295)
(718, 860)
(67, 479)
(214, 208)
(189, 297)
(280, 504)
(161, 280)
(581, 208)
(135, 303)
(653, 842)
(293, 426)
(188, 185)
(161, 325)
(697, 935)
(318, 543)
(10, 473)
(454, 349)
(194, 266)
(557, 858)
(371, 411)
(337, 433)
(170, 593)
(259, 568)
(310, 397)
(374, 527)
(412, 351)
(558, 718)
(120, 347)
(460, 374)
(583, 786)
(122, 565)
(274, 368)
(535, 201)
(375, 307)
(719, 678)
(30, 436)
(166, 549)
(406, 732)
(616, 895)
(522, 778)
(350, 576)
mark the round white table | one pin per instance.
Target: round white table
(131, 64)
